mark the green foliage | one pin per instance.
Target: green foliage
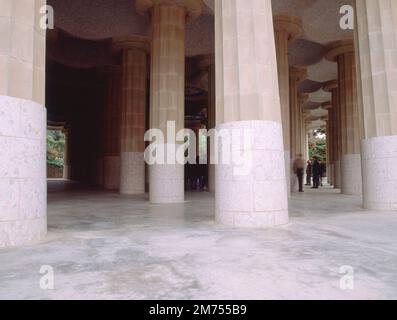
(55, 148)
(318, 148)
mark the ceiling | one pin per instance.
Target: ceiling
(85, 27)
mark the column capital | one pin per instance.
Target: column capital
(299, 73)
(330, 86)
(337, 48)
(290, 24)
(194, 8)
(131, 42)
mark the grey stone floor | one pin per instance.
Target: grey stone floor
(107, 246)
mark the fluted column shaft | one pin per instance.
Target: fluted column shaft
(211, 123)
(287, 28)
(133, 106)
(112, 133)
(167, 95)
(248, 102)
(351, 178)
(23, 203)
(377, 44)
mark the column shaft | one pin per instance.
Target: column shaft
(134, 75)
(252, 193)
(287, 28)
(167, 96)
(377, 42)
(22, 124)
(351, 178)
(112, 122)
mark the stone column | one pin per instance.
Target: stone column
(133, 109)
(330, 145)
(112, 130)
(296, 76)
(335, 113)
(66, 155)
(168, 20)
(377, 38)
(207, 62)
(252, 192)
(287, 28)
(22, 124)
(343, 53)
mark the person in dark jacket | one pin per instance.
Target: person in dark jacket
(323, 171)
(316, 173)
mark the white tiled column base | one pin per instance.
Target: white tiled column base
(23, 187)
(351, 174)
(379, 161)
(111, 173)
(132, 173)
(337, 175)
(258, 199)
(167, 183)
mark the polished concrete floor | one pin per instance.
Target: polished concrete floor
(106, 246)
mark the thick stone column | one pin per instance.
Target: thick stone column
(296, 76)
(377, 38)
(343, 53)
(168, 20)
(133, 110)
(334, 118)
(248, 103)
(22, 124)
(207, 63)
(67, 155)
(287, 28)
(297, 133)
(112, 130)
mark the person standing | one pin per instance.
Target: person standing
(316, 173)
(299, 167)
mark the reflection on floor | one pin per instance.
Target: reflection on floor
(107, 246)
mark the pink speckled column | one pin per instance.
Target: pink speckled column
(133, 110)
(112, 131)
(251, 193)
(343, 53)
(168, 18)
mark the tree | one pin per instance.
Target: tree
(55, 148)
(318, 146)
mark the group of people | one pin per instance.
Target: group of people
(315, 170)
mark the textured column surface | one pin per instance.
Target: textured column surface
(335, 120)
(248, 99)
(112, 136)
(351, 178)
(377, 39)
(287, 28)
(166, 181)
(133, 110)
(22, 124)
(296, 76)
(208, 62)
